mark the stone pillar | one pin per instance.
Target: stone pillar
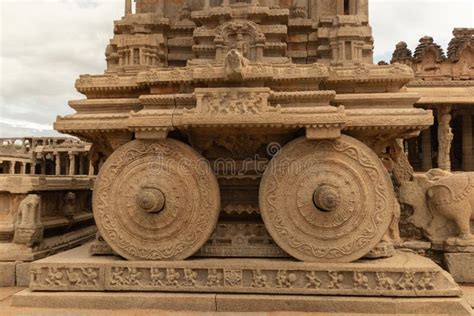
(43, 166)
(81, 164)
(33, 169)
(219, 44)
(23, 167)
(445, 137)
(225, 3)
(66, 169)
(128, 7)
(426, 148)
(72, 163)
(340, 7)
(467, 155)
(91, 169)
(363, 7)
(206, 4)
(57, 161)
(12, 167)
(160, 8)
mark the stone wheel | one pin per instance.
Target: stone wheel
(156, 200)
(326, 201)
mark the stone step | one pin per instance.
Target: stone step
(156, 303)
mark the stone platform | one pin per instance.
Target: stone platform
(334, 305)
(406, 283)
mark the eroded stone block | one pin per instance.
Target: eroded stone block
(461, 266)
(7, 274)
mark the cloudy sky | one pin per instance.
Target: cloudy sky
(46, 44)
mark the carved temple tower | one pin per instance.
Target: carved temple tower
(175, 33)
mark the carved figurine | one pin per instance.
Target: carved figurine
(361, 281)
(335, 279)
(313, 280)
(235, 64)
(259, 279)
(190, 277)
(69, 207)
(383, 281)
(440, 198)
(28, 226)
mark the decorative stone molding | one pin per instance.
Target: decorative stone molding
(417, 277)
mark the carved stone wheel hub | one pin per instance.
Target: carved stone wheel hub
(326, 198)
(326, 201)
(156, 200)
(151, 200)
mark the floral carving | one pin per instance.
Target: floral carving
(233, 277)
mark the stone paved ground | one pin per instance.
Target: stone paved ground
(7, 293)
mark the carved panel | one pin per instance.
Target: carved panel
(240, 276)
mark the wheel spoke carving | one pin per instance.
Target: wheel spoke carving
(327, 201)
(156, 200)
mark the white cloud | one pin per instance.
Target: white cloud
(46, 44)
(409, 20)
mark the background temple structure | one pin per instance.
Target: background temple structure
(45, 201)
(446, 85)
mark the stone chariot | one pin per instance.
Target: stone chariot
(186, 102)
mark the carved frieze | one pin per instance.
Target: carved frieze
(240, 276)
(81, 277)
(241, 239)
